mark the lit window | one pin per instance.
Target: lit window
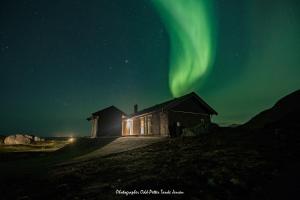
(129, 126)
(142, 125)
(149, 124)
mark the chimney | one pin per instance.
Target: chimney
(135, 108)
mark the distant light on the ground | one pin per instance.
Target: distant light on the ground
(71, 140)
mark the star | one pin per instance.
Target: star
(3, 48)
(126, 61)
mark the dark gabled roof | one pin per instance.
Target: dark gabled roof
(171, 103)
(107, 109)
(110, 108)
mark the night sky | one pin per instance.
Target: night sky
(62, 60)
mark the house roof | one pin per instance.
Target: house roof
(108, 109)
(171, 103)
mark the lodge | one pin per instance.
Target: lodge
(163, 119)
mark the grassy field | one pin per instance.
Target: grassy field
(227, 164)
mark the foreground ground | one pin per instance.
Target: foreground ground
(225, 164)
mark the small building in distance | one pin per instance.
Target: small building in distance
(106, 122)
(166, 118)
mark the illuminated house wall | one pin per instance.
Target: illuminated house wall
(148, 124)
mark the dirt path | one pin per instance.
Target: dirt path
(117, 145)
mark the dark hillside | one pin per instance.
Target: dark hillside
(284, 114)
(226, 164)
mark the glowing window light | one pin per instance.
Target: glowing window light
(129, 125)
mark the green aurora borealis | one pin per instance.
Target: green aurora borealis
(191, 31)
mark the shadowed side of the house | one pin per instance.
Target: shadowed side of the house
(106, 122)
